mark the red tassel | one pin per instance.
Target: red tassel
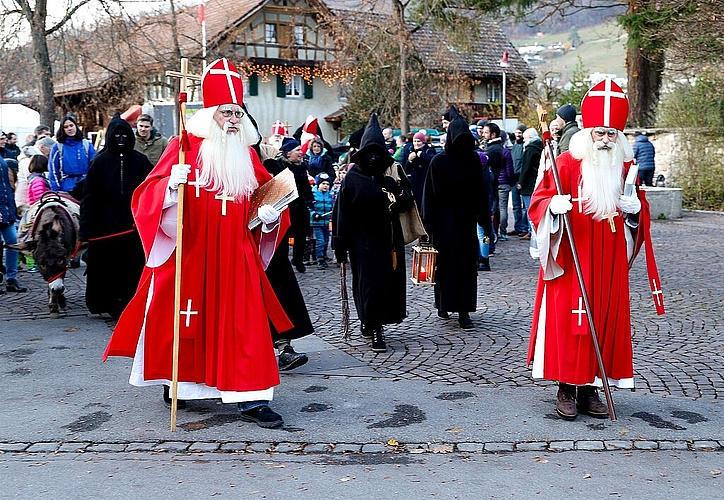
(183, 97)
(185, 143)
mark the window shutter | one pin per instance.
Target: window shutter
(253, 84)
(308, 90)
(281, 87)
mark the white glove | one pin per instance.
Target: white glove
(630, 204)
(268, 214)
(560, 204)
(179, 175)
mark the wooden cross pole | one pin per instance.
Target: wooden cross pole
(545, 133)
(185, 77)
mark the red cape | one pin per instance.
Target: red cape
(226, 299)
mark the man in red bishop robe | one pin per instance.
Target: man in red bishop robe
(609, 226)
(226, 300)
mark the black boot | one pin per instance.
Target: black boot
(483, 264)
(367, 331)
(378, 340)
(290, 359)
(465, 322)
(180, 403)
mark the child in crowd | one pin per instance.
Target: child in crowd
(321, 215)
(37, 181)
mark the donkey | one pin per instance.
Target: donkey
(50, 234)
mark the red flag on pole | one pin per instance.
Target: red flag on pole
(202, 13)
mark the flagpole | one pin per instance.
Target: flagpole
(202, 21)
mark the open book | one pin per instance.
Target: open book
(278, 192)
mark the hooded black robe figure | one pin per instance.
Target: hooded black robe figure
(454, 201)
(115, 254)
(366, 224)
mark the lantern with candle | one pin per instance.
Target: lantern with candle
(424, 259)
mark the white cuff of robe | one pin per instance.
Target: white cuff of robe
(269, 228)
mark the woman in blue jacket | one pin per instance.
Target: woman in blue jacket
(69, 157)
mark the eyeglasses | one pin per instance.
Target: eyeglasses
(610, 132)
(228, 113)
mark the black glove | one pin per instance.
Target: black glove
(316, 216)
(341, 256)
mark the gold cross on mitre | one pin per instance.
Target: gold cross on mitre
(610, 217)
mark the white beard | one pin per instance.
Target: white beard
(226, 164)
(601, 176)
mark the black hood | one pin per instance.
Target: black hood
(451, 113)
(373, 142)
(459, 137)
(117, 126)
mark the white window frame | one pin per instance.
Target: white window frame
(271, 34)
(295, 87)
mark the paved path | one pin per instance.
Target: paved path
(438, 391)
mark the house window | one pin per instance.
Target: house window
(299, 35)
(295, 86)
(493, 92)
(270, 33)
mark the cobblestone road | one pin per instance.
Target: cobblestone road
(680, 353)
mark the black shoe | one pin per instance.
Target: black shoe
(263, 416)
(465, 322)
(443, 314)
(378, 340)
(180, 403)
(289, 359)
(14, 286)
(483, 264)
(367, 331)
(300, 267)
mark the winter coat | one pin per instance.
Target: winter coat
(567, 132)
(152, 147)
(37, 185)
(531, 160)
(644, 152)
(70, 166)
(7, 197)
(507, 173)
(321, 209)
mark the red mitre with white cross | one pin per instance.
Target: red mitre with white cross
(605, 105)
(310, 130)
(278, 128)
(221, 84)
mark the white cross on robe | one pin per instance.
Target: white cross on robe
(196, 183)
(580, 199)
(580, 311)
(657, 293)
(188, 313)
(224, 198)
(607, 95)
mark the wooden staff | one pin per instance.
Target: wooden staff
(577, 263)
(183, 147)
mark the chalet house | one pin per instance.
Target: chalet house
(287, 57)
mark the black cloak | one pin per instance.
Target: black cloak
(366, 224)
(115, 255)
(454, 201)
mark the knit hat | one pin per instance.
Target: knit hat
(567, 112)
(289, 144)
(482, 123)
(323, 177)
(522, 127)
(420, 136)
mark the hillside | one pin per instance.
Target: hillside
(600, 47)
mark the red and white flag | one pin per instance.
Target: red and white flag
(202, 13)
